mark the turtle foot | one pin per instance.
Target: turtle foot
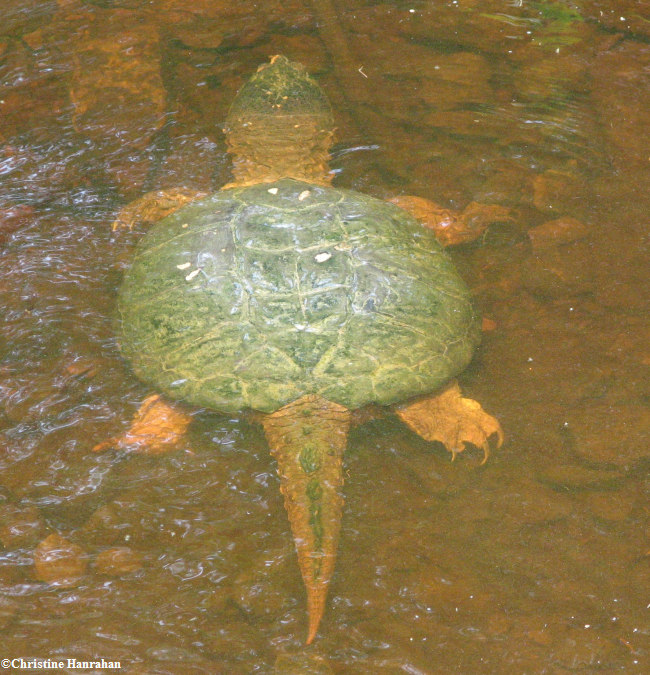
(449, 418)
(157, 428)
(153, 206)
(450, 227)
(444, 223)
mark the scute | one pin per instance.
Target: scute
(256, 296)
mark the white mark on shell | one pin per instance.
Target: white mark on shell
(322, 257)
(192, 274)
(303, 195)
(273, 191)
(183, 266)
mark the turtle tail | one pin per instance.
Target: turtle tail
(307, 439)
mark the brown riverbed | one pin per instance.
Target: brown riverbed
(537, 562)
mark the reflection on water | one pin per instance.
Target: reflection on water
(536, 562)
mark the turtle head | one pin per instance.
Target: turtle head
(280, 125)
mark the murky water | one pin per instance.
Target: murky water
(537, 562)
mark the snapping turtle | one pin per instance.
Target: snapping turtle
(300, 303)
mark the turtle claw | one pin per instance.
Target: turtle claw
(452, 420)
(157, 428)
(153, 206)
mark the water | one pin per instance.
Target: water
(536, 562)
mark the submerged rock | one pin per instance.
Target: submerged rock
(555, 273)
(573, 478)
(558, 191)
(20, 526)
(14, 218)
(557, 232)
(620, 98)
(8, 611)
(302, 664)
(613, 433)
(118, 561)
(59, 562)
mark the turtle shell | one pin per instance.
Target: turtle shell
(255, 296)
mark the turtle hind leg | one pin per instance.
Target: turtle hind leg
(307, 438)
(451, 419)
(157, 427)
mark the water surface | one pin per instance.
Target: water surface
(537, 562)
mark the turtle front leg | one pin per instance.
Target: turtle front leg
(157, 427)
(153, 206)
(451, 419)
(451, 227)
(307, 438)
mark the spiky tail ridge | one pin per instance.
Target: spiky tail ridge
(307, 438)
